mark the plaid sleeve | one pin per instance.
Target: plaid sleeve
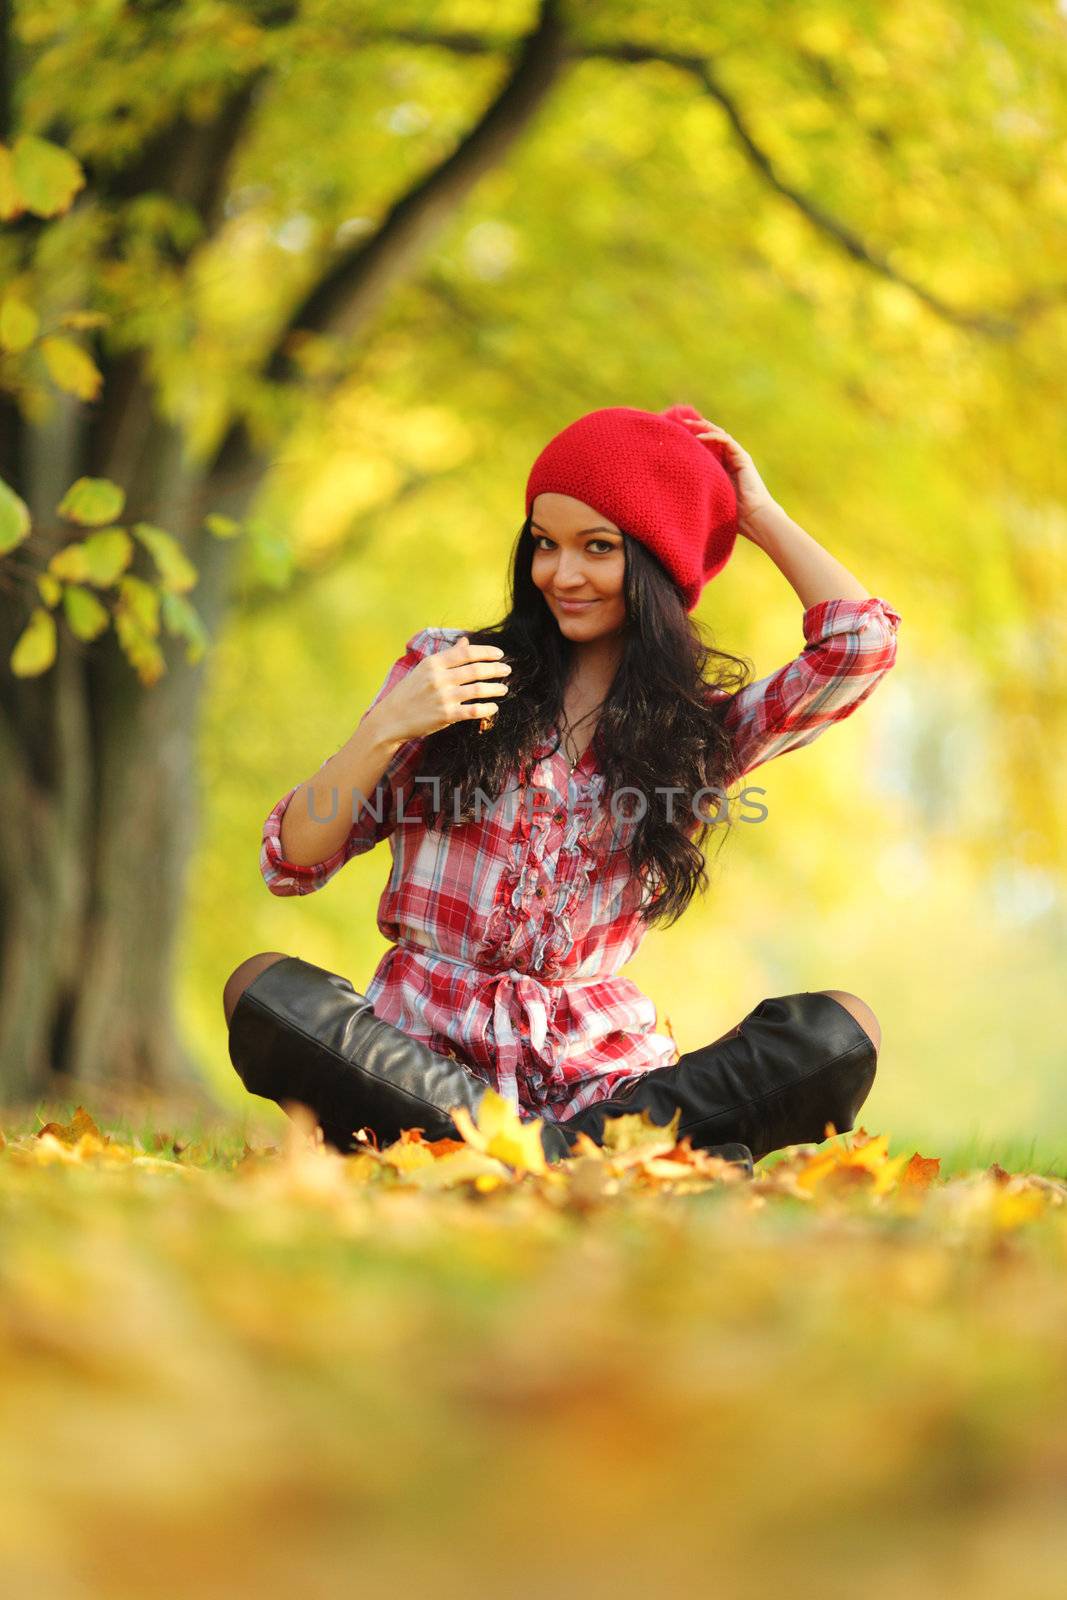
(376, 817)
(850, 645)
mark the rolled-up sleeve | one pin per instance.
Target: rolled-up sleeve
(850, 646)
(376, 816)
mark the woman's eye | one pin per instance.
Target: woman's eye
(541, 539)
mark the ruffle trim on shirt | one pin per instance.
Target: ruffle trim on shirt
(518, 880)
(524, 875)
(580, 844)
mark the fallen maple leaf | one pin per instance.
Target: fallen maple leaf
(71, 1132)
(863, 1162)
(464, 1164)
(636, 1131)
(437, 1147)
(920, 1172)
(500, 1132)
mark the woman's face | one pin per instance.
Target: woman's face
(578, 555)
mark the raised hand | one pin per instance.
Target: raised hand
(754, 499)
(452, 685)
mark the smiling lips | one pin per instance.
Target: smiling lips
(565, 602)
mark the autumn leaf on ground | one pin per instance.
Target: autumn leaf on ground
(70, 1132)
(500, 1132)
(920, 1172)
(437, 1147)
(406, 1155)
(862, 1162)
(462, 1165)
(687, 1167)
(637, 1136)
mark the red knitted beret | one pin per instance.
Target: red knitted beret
(648, 474)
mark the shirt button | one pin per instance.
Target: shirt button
(557, 816)
(540, 892)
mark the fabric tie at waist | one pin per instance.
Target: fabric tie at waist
(520, 1010)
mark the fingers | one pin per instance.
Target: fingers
(475, 680)
(463, 650)
(476, 664)
(471, 671)
(500, 689)
(710, 430)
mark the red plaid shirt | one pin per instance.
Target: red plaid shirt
(507, 934)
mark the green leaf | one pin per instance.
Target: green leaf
(99, 559)
(140, 648)
(71, 562)
(18, 325)
(71, 368)
(92, 501)
(182, 621)
(272, 556)
(108, 553)
(47, 177)
(222, 527)
(86, 616)
(35, 648)
(176, 571)
(141, 601)
(14, 519)
(49, 588)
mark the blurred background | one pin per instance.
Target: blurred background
(310, 285)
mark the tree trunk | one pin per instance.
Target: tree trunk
(42, 899)
(98, 773)
(99, 801)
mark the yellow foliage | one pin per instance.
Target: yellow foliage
(499, 1132)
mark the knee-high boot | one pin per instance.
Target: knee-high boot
(301, 1033)
(794, 1063)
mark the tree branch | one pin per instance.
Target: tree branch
(194, 168)
(346, 297)
(343, 301)
(148, 166)
(1003, 324)
(996, 326)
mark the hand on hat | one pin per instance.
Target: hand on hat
(753, 496)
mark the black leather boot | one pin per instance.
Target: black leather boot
(793, 1064)
(301, 1033)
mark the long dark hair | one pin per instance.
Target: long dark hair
(658, 727)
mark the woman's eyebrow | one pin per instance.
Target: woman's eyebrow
(578, 535)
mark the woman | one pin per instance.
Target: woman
(544, 786)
